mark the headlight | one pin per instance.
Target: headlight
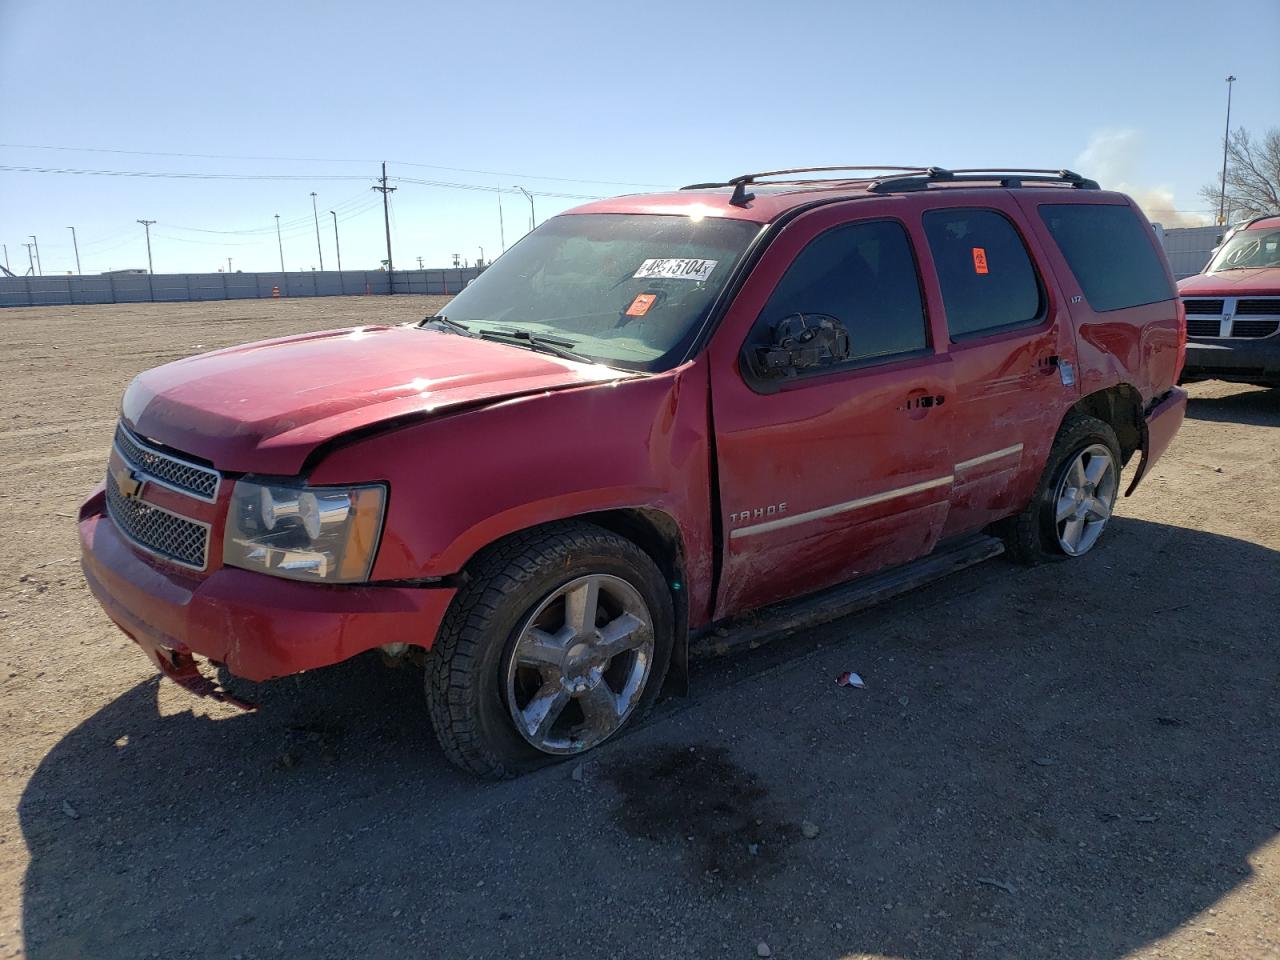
(305, 533)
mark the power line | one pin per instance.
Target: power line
(406, 163)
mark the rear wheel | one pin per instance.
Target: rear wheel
(1075, 497)
(561, 638)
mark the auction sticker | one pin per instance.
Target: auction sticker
(641, 304)
(675, 268)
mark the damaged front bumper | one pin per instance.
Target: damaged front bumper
(258, 626)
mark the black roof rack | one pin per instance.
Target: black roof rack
(741, 197)
(908, 178)
(1004, 176)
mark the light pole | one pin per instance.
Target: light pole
(31, 265)
(1226, 138)
(228, 264)
(533, 220)
(75, 246)
(146, 225)
(480, 262)
(315, 214)
(36, 243)
(502, 232)
(337, 246)
(279, 243)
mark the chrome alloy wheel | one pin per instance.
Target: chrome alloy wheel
(1084, 499)
(580, 664)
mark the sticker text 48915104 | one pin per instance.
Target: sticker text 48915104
(675, 268)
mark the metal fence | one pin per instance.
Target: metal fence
(170, 287)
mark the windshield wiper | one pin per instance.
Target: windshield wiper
(552, 345)
(454, 325)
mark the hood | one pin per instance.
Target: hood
(1257, 282)
(263, 407)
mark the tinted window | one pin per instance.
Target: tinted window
(986, 276)
(864, 275)
(1109, 252)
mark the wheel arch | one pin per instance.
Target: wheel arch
(1120, 407)
(656, 533)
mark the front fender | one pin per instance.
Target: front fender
(463, 481)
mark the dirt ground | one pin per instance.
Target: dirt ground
(1077, 761)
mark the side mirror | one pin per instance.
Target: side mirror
(801, 341)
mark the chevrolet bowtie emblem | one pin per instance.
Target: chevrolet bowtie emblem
(127, 482)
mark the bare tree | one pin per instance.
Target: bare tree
(1253, 176)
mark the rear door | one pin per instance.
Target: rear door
(832, 473)
(1012, 349)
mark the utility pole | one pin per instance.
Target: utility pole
(1226, 138)
(337, 246)
(228, 264)
(419, 263)
(279, 243)
(75, 246)
(502, 232)
(386, 219)
(533, 220)
(146, 225)
(31, 266)
(36, 243)
(319, 252)
(457, 260)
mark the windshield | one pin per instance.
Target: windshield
(626, 290)
(1248, 248)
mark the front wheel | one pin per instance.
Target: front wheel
(562, 637)
(1075, 497)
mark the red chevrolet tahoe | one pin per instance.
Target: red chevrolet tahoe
(789, 392)
(1233, 308)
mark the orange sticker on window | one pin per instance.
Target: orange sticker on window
(979, 260)
(641, 304)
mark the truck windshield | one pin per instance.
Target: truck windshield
(626, 290)
(1248, 249)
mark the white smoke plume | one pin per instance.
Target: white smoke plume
(1113, 158)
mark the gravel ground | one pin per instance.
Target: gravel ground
(1077, 761)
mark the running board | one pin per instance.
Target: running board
(759, 627)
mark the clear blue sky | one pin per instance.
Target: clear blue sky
(631, 92)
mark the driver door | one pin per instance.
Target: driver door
(835, 471)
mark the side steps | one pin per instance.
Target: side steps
(758, 627)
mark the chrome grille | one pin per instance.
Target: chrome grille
(167, 469)
(1259, 308)
(1203, 306)
(170, 536)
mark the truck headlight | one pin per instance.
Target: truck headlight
(304, 533)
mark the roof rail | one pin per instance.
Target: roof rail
(1005, 176)
(741, 197)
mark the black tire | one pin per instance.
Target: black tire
(1031, 536)
(466, 668)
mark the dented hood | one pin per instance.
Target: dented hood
(263, 407)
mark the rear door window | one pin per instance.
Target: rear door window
(987, 279)
(862, 274)
(1110, 253)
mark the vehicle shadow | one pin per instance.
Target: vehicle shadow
(1066, 762)
(1251, 405)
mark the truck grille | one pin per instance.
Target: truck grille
(1254, 328)
(1203, 327)
(1264, 307)
(1245, 318)
(173, 537)
(166, 469)
(1203, 306)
